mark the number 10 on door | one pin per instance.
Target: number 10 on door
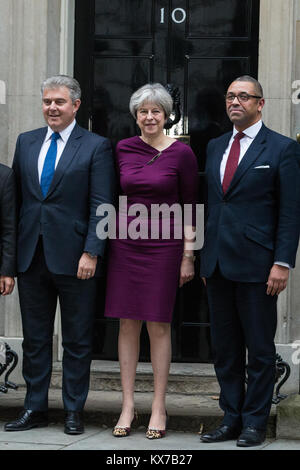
(178, 15)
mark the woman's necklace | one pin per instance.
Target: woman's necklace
(154, 158)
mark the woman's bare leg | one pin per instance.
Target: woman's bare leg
(160, 347)
(129, 349)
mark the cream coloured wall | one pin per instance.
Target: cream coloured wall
(279, 67)
(30, 51)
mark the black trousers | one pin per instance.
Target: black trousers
(39, 290)
(243, 317)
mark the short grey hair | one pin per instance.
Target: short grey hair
(248, 78)
(151, 93)
(63, 80)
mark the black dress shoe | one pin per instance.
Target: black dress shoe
(222, 433)
(28, 419)
(251, 436)
(73, 423)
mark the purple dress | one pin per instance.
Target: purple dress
(143, 274)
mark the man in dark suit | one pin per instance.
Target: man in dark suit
(63, 174)
(251, 239)
(8, 230)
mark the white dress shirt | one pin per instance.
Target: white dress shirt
(61, 143)
(250, 134)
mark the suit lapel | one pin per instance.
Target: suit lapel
(253, 152)
(32, 162)
(66, 158)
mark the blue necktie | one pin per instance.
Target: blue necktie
(49, 164)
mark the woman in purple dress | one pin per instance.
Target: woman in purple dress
(146, 265)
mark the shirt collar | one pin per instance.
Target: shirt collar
(251, 131)
(64, 134)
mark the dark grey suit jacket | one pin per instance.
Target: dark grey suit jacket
(8, 222)
(66, 217)
(257, 221)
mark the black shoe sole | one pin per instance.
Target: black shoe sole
(27, 428)
(240, 444)
(231, 438)
(211, 441)
(73, 433)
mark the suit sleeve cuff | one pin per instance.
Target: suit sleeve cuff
(281, 263)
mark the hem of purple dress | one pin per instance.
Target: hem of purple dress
(133, 317)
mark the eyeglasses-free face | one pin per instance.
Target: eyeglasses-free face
(243, 112)
(58, 108)
(150, 118)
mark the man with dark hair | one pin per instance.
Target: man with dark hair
(63, 174)
(257, 86)
(251, 240)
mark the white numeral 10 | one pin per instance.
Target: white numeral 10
(178, 15)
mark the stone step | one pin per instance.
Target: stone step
(184, 378)
(187, 412)
(192, 396)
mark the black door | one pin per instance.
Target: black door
(199, 46)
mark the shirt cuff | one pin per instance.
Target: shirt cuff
(281, 263)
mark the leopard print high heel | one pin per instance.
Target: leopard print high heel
(122, 431)
(157, 433)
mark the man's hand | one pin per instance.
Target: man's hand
(86, 267)
(7, 284)
(277, 280)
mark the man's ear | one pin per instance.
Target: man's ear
(76, 104)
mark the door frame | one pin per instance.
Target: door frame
(275, 32)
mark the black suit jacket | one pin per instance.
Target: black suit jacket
(84, 178)
(8, 222)
(257, 221)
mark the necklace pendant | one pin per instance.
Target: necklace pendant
(154, 158)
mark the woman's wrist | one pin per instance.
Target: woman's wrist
(188, 255)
